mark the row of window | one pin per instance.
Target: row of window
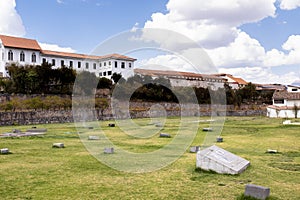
(108, 73)
(22, 56)
(33, 60)
(62, 63)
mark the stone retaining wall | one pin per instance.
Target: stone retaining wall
(137, 110)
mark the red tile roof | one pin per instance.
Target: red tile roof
(286, 95)
(175, 74)
(239, 81)
(67, 54)
(84, 56)
(22, 43)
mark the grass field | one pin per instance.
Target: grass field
(35, 170)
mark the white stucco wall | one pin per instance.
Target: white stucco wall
(271, 112)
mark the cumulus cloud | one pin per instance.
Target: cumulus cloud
(276, 57)
(261, 75)
(55, 47)
(211, 23)
(243, 50)
(10, 21)
(289, 4)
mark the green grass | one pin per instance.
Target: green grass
(35, 170)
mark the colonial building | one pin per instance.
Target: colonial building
(233, 82)
(286, 103)
(22, 51)
(182, 79)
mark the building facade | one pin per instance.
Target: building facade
(22, 51)
(185, 79)
(286, 103)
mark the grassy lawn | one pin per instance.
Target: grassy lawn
(35, 170)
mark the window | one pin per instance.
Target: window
(104, 73)
(79, 65)
(10, 55)
(123, 65)
(109, 63)
(129, 65)
(62, 63)
(294, 90)
(94, 65)
(86, 65)
(100, 64)
(278, 101)
(44, 60)
(22, 56)
(100, 74)
(33, 58)
(104, 64)
(116, 64)
(53, 62)
(2, 55)
(71, 64)
(109, 73)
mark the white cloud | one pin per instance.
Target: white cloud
(10, 21)
(59, 1)
(243, 50)
(289, 4)
(55, 47)
(261, 75)
(211, 23)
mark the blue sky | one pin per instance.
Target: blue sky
(256, 40)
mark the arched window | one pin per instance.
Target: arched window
(22, 56)
(10, 55)
(33, 58)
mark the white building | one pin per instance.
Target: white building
(22, 51)
(285, 103)
(183, 79)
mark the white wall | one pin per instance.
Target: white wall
(293, 89)
(16, 58)
(292, 103)
(271, 112)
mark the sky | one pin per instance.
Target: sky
(258, 40)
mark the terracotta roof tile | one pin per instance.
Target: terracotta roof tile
(174, 74)
(286, 95)
(16, 42)
(67, 54)
(24, 43)
(84, 56)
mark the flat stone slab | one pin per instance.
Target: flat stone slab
(58, 145)
(111, 125)
(20, 134)
(219, 139)
(256, 191)
(109, 150)
(207, 129)
(164, 135)
(36, 130)
(216, 159)
(194, 149)
(274, 151)
(4, 151)
(93, 137)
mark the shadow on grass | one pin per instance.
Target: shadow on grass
(243, 197)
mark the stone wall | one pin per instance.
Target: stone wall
(137, 110)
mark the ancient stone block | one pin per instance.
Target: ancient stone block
(58, 145)
(256, 191)
(164, 135)
(109, 150)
